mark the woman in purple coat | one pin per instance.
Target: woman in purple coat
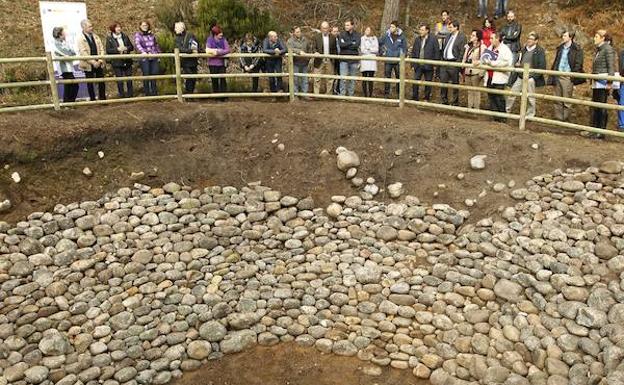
(145, 42)
(218, 46)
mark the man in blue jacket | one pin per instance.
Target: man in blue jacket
(273, 46)
(392, 44)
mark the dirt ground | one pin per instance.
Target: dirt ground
(201, 144)
(297, 366)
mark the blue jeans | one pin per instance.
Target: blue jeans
(301, 82)
(501, 8)
(483, 8)
(274, 66)
(348, 68)
(621, 113)
(150, 67)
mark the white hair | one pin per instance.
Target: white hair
(180, 24)
(84, 22)
(272, 34)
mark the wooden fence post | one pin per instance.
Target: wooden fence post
(52, 79)
(291, 76)
(178, 71)
(402, 75)
(524, 99)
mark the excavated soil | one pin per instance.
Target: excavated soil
(236, 143)
(290, 364)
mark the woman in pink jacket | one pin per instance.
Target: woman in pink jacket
(218, 46)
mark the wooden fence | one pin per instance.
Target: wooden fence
(401, 100)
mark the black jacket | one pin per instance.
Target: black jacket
(459, 45)
(317, 46)
(184, 42)
(432, 51)
(257, 62)
(538, 61)
(511, 35)
(112, 46)
(575, 58)
(349, 43)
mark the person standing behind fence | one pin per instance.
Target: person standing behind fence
(325, 44)
(118, 43)
(603, 64)
(89, 44)
(350, 41)
(534, 55)
(474, 76)
(393, 44)
(145, 43)
(511, 33)
(452, 52)
(425, 48)
(501, 57)
(217, 64)
(62, 49)
(569, 58)
(274, 47)
(369, 46)
(335, 33)
(501, 8)
(187, 43)
(251, 65)
(298, 44)
(488, 28)
(441, 29)
(620, 94)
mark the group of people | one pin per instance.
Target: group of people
(486, 45)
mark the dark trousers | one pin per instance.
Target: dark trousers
(367, 86)
(419, 73)
(336, 82)
(497, 101)
(254, 80)
(150, 67)
(219, 85)
(189, 84)
(449, 75)
(599, 116)
(96, 73)
(124, 92)
(274, 66)
(70, 91)
(389, 68)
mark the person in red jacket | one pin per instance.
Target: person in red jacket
(487, 30)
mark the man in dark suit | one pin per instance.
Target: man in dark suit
(324, 44)
(425, 47)
(453, 51)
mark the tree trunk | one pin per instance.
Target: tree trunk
(391, 12)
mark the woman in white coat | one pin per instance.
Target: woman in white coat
(369, 47)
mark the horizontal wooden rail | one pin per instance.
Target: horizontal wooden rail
(348, 98)
(340, 77)
(236, 95)
(350, 57)
(33, 83)
(115, 101)
(464, 109)
(114, 79)
(29, 107)
(20, 60)
(235, 75)
(578, 75)
(579, 102)
(575, 126)
(440, 63)
(116, 56)
(462, 87)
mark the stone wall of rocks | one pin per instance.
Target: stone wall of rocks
(143, 284)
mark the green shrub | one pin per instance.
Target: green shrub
(169, 12)
(235, 18)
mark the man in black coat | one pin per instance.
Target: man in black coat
(453, 51)
(569, 58)
(425, 47)
(511, 33)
